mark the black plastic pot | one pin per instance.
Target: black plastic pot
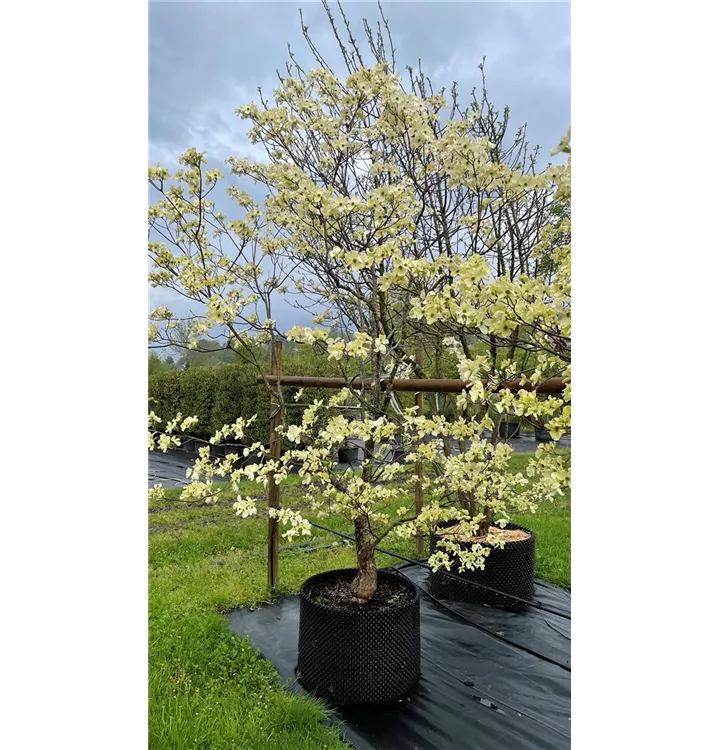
(509, 570)
(509, 429)
(361, 654)
(188, 445)
(348, 455)
(398, 456)
(219, 451)
(542, 435)
(391, 454)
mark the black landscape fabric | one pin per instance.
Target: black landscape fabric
(490, 679)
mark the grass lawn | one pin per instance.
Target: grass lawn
(209, 689)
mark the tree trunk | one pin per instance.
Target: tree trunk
(364, 585)
(514, 338)
(467, 502)
(486, 523)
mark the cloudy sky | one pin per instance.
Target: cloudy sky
(208, 58)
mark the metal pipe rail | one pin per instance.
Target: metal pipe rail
(412, 385)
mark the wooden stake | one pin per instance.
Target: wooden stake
(419, 469)
(275, 451)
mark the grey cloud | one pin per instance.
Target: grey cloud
(206, 59)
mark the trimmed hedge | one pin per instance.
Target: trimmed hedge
(219, 395)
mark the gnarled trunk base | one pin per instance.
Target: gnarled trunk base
(364, 585)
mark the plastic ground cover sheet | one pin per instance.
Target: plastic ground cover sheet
(490, 679)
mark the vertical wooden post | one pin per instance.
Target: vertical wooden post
(275, 451)
(419, 469)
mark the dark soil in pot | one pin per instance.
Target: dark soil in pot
(358, 653)
(509, 570)
(542, 435)
(509, 429)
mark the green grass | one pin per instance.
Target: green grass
(552, 524)
(208, 688)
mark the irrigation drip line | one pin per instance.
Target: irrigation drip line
(490, 632)
(536, 604)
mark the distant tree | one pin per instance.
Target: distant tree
(208, 353)
(156, 364)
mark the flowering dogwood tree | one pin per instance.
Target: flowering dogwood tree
(359, 174)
